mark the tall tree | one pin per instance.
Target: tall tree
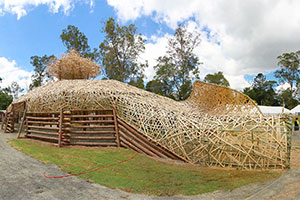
(120, 50)
(40, 73)
(179, 67)
(289, 72)
(13, 90)
(289, 64)
(217, 78)
(286, 98)
(262, 91)
(72, 38)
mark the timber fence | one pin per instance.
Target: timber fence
(262, 144)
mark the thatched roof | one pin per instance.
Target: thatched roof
(95, 94)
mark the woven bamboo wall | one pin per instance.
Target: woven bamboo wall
(216, 126)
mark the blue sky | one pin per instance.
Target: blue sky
(239, 39)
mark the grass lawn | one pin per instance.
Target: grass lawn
(141, 174)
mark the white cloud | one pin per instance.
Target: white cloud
(21, 7)
(245, 37)
(154, 49)
(11, 72)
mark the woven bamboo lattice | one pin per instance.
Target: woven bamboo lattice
(215, 126)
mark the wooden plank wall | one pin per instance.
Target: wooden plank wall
(42, 126)
(91, 128)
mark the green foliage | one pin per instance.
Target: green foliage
(286, 98)
(289, 64)
(138, 82)
(120, 51)
(72, 38)
(5, 100)
(262, 91)
(40, 73)
(179, 66)
(217, 78)
(13, 90)
(142, 174)
(160, 87)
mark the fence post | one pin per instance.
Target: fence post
(22, 123)
(116, 128)
(61, 116)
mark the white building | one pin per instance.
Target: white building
(274, 110)
(296, 110)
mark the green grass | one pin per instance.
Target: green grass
(141, 174)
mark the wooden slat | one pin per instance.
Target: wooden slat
(42, 137)
(125, 143)
(139, 141)
(61, 117)
(93, 138)
(104, 126)
(164, 151)
(85, 116)
(42, 132)
(92, 144)
(44, 127)
(116, 128)
(136, 144)
(43, 118)
(22, 123)
(42, 122)
(92, 121)
(92, 132)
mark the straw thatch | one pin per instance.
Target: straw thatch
(214, 126)
(73, 66)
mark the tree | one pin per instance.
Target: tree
(262, 91)
(5, 99)
(138, 82)
(72, 38)
(289, 72)
(13, 90)
(120, 50)
(73, 66)
(159, 87)
(40, 73)
(286, 98)
(179, 67)
(217, 78)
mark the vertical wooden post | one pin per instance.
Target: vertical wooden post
(4, 121)
(116, 128)
(26, 126)
(61, 116)
(12, 127)
(22, 123)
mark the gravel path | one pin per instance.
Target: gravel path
(21, 177)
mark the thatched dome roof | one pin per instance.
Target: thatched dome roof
(98, 94)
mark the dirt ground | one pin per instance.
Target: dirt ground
(22, 177)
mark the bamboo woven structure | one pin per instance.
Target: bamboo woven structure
(215, 126)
